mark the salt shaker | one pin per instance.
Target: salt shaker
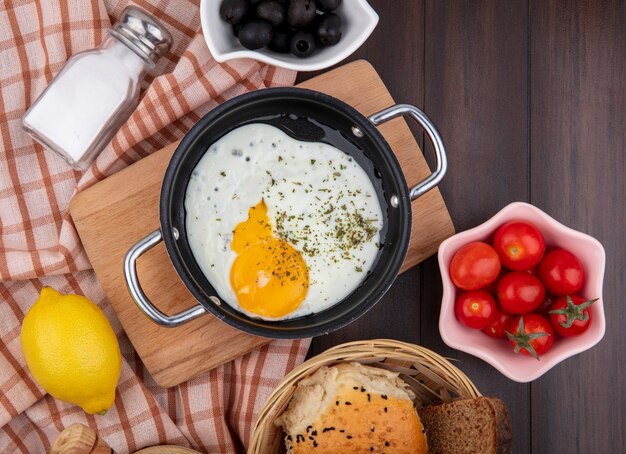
(96, 91)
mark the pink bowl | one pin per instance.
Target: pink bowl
(499, 353)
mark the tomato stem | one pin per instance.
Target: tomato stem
(573, 312)
(523, 339)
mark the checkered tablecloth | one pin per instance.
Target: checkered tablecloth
(39, 245)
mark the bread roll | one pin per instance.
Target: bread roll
(352, 408)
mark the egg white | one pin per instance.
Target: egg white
(304, 180)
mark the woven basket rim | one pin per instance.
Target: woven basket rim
(363, 350)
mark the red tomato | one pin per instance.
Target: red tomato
(519, 244)
(474, 266)
(561, 272)
(499, 324)
(475, 308)
(571, 315)
(491, 287)
(519, 292)
(546, 304)
(531, 334)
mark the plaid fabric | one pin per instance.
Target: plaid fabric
(39, 246)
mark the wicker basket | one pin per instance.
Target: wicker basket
(433, 379)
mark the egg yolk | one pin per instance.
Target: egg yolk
(269, 276)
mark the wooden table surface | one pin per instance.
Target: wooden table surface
(530, 98)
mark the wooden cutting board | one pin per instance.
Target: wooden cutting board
(115, 213)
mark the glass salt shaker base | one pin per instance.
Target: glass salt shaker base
(82, 165)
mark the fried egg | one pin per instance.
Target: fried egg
(280, 227)
(267, 268)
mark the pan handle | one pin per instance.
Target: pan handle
(441, 160)
(137, 293)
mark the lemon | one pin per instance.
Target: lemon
(71, 350)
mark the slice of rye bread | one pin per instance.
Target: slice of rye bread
(478, 425)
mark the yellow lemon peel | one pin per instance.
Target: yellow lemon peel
(71, 350)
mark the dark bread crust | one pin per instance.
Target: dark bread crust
(478, 425)
(504, 435)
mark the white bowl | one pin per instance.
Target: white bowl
(359, 21)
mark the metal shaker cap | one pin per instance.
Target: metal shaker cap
(143, 34)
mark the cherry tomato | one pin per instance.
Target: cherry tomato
(498, 324)
(519, 244)
(546, 304)
(474, 266)
(492, 287)
(475, 308)
(519, 292)
(561, 272)
(571, 315)
(531, 334)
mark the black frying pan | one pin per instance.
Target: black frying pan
(305, 115)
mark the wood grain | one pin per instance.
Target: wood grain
(476, 91)
(114, 214)
(81, 439)
(578, 175)
(166, 449)
(479, 99)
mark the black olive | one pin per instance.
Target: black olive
(300, 13)
(234, 11)
(271, 11)
(237, 28)
(302, 44)
(327, 5)
(255, 34)
(328, 29)
(280, 41)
